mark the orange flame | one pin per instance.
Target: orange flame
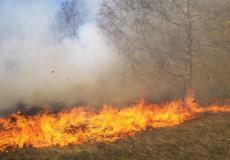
(78, 125)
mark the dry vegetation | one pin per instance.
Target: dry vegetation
(207, 137)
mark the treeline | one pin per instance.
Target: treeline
(167, 46)
(173, 45)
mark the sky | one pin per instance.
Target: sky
(40, 10)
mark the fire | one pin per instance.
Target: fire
(79, 125)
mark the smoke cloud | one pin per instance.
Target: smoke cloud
(35, 71)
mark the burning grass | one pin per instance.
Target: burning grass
(205, 137)
(79, 126)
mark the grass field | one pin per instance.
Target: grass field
(205, 138)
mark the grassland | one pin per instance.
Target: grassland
(205, 138)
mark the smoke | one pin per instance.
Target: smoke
(34, 71)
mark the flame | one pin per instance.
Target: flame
(79, 125)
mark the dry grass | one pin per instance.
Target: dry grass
(204, 138)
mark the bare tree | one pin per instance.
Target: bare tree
(168, 35)
(68, 19)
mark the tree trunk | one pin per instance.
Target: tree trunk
(189, 46)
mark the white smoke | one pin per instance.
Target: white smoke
(35, 71)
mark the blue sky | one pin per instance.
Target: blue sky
(92, 5)
(31, 12)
